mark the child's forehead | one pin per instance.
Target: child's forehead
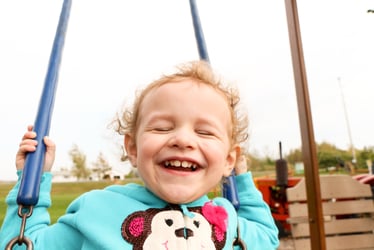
(183, 85)
(190, 89)
(191, 93)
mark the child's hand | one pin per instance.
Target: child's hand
(29, 144)
(241, 165)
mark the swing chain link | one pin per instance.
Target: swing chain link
(24, 212)
(238, 241)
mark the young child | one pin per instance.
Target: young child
(183, 134)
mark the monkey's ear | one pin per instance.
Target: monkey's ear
(134, 229)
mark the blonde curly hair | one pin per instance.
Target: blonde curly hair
(200, 72)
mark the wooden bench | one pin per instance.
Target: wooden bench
(348, 210)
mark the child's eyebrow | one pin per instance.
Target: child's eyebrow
(156, 116)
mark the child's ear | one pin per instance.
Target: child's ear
(232, 156)
(130, 147)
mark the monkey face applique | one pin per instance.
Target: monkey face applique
(168, 229)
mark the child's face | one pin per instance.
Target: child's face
(182, 148)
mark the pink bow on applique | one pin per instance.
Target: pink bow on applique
(217, 216)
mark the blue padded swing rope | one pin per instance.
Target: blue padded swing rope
(28, 194)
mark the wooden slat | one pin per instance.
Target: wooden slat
(359, 241)
(332, 186)
(297, 192)
(349, 226)
(343, 186)
(300, 230)
(342, 226)
(348, 207)
(334, 208)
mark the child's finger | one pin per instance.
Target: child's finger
(50, 153)
(29, 135)
(30, 127)
(49, 143)
(28, 142)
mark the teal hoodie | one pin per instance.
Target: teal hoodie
(131, 217)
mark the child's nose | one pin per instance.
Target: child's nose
(183, 138)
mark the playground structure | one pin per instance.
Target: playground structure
(284, 199)
(348, 211)
(279, 193)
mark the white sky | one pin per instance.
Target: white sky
(113, 47)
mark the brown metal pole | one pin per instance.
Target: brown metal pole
(317, 232)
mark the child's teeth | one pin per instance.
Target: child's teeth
(183, 164)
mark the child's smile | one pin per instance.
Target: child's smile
(180, 165)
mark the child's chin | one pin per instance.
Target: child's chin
(180, 199)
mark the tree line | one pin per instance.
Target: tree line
(99, 170)
(329, 156)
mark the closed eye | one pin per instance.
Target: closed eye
(205, 132)
(163, 129)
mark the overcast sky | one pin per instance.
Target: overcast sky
(114, 47)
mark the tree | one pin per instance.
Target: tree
(294, 156)
(256, 163)
(101, 167)
(329, 155)
(367, 153)
(79, 169)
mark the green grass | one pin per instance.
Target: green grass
(4, 189)
(62, 195)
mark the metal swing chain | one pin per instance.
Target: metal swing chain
(24, 212)
(238, 241)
